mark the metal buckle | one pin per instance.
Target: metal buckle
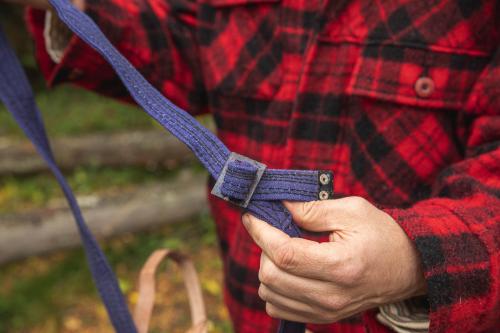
(216, 190)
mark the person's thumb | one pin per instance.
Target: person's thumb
(312, 215)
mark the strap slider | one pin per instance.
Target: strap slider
(238, 179)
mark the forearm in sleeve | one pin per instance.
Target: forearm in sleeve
(457, 230)
(157, 38)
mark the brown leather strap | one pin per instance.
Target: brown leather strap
(147, 291)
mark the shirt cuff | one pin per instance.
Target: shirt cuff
(56, 37)
(63, 57)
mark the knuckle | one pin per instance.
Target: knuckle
(262, 293)
(314, 210)
(285, 256)
(352, 273)
(330, 317)
(266, 274)
(317, 314)
(335, 303)
(358, 203)
(271, 310)
(308, 210)
(349, 268)
(322, 315)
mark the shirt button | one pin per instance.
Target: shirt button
(424, 87)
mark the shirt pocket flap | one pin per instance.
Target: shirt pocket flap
(415, 76)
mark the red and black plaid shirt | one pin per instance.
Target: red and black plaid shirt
(399, 98)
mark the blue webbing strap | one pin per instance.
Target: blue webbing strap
(16, 94)
(240, 180)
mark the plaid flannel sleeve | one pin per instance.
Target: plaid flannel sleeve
(457, 230)
(157, 36)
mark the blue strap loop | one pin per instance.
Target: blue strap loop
(239, 179)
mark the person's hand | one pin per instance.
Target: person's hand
(41, 4)
(369, 261)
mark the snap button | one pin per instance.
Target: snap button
(324, 179)
(323, 195)
(325, 188)
(424, 86)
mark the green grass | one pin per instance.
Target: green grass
(70, 111)
(21, 193)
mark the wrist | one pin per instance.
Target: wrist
(407, 269)
(420, 285)
(417, 285)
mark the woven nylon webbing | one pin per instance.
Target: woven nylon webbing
(243, 182)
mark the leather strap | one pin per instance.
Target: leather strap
(147, 291)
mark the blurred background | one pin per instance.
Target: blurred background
(140, 190)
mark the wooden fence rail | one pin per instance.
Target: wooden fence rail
(42, 231)
(149, 149)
